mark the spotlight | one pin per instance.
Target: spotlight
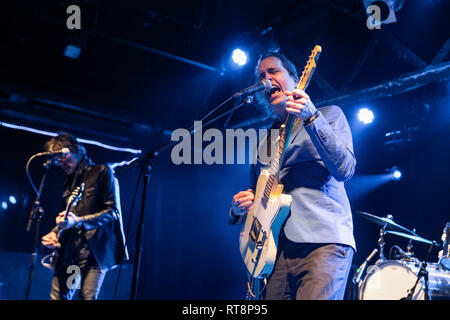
(4, 205)
(72, 51)
(239, 57)
(365, 115)
(12, 199)
(74, 47)
(396, 173)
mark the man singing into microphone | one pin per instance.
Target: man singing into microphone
(316, 243)
(92, 239)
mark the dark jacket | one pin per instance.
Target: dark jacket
(100, 211)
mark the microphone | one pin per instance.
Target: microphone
(63, 151)
(262, 85)
(360, 270)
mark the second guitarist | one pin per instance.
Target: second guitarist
(316, 243)
(92, 240)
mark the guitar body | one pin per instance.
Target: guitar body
(259, 235)
(53, 257)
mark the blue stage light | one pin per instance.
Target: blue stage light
(4, 205)
(365, 115)
(72, 51)
(12, 199)
(396, 173)
(239, 57)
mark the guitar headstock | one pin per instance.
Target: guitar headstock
(309, 68)
(76, 195)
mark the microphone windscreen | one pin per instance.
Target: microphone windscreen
(267, 84)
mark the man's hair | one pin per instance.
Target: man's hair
(287, 63)
(65, 140)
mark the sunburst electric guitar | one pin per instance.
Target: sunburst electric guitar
(259, 234)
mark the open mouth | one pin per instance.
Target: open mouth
(274, 91)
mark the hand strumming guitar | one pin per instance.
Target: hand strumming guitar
(242, 202)
(50, 240)
(71, 221)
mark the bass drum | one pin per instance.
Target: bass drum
(392, 280)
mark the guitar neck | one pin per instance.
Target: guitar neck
(288, 125)
(68, 207)
(284, 135)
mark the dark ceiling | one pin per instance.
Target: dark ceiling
(149, 66)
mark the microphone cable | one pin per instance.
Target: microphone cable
(399, 250)
(245, 92)
(27, 169)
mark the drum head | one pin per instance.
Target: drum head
(389, 280)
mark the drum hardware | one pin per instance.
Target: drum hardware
(409, 255)
(413, 237)
(423, 273)
(407, 278)
(381, 244)
(444, 254)
(409, 247)
(405, 256)
(360, 270)
(392, 280)
(388, 226)
(387, 223)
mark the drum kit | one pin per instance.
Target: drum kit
(403, 277)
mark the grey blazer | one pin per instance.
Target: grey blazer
(318, 159)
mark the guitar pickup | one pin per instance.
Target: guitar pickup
(255, 230)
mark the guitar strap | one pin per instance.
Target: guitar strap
(77, 177)
(276, 125)
(70, 238)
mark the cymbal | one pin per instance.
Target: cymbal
(415, 238)
(385, 222)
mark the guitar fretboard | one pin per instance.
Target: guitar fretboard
(283, 136)
(286, 128)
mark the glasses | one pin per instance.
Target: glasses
(57, 159)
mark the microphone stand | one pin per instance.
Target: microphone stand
(36, 214)
(422, 273)
(144, 164)
(359, 272)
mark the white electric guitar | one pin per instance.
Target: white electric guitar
(259, 234)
